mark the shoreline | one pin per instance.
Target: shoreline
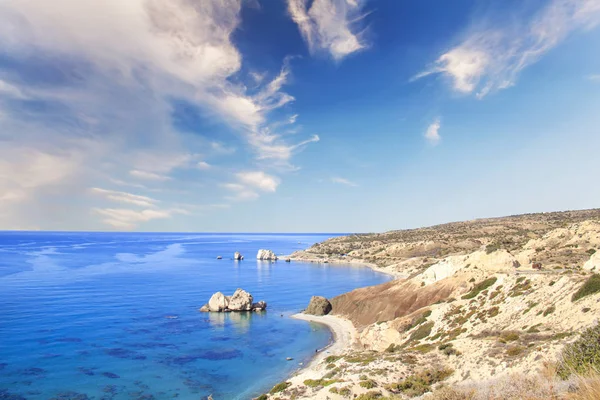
(344, 337)
(350, 262)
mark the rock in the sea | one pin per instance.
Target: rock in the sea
(218, 302)
(240, 301)
(318, 306)
(238, 256)
(260, 306)
(288, 260)
(266, 255)
(219, 257)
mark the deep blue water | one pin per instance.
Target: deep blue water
(114, 315)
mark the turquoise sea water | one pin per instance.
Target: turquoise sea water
(114, 315)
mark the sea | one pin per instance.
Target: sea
(115, 315)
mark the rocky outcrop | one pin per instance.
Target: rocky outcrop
(266, 255)
(218, 302)
(318, 306)
(237, 256)
(239, 301)
(593, 264)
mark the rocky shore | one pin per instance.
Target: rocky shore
(239, 301)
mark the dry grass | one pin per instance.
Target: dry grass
(545, 386)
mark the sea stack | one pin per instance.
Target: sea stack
(239, 301)
(237, 256)
(266, 255)
(318, 306)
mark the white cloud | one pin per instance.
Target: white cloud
(203, 165)
(329, 25)
(113, 69)
(8, 90)
(492, 58)
(249, 183)
(343, 181)
(432, 134)
(124, 197)
(259, 180)
(121, 218)
(147, 175)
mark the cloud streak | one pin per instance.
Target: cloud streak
(492, 58)
(329, 25)
(432, 134)
(343, 181)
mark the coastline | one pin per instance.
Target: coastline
(345, 336)
(350, 262)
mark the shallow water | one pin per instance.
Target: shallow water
(114, 315)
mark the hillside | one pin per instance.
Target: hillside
(475, 301)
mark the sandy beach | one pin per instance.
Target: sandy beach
(344, 338)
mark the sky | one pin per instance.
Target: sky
(295, 115)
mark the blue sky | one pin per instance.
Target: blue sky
(295, 115)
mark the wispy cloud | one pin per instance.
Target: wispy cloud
(203, 165)
(343, 181)
(491, 58)
(147, 175)
(594, 78)
(432, 134)
(250, 183)
(104, 111)
(124, 197)
(330, 25)
(121, 218)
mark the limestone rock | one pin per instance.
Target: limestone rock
(241, 301)
(266, 255)
(204, 308)
(219, 257)
(218, 302)
(259, 306)
(237, 256)
(593, 264)
(318, 306)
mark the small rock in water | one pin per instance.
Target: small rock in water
(171, 317)
(266, 255)
(237, 256)
(289, 358)
(219, 257)
(288, 260)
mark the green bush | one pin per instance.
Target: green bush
(422, 332)
(261, 397)
(591, 286)
(369, 396)
(280, 387)
(368, 384)
(582, 355)
(319, 382)
(549, 310)
(481, 286)
(420, 383)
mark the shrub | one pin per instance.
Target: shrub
(319, 382)
(369, 396)
(509, 336)
(261, 397)
(280, 387)
(591, 252)
(422, 332)
(420, 383)
(332, 359)
(549, 310)
(591, 286)
(481, 286)
(514, 351)
(392, 348)
(448, 349)
(582, 355)
(368, 384)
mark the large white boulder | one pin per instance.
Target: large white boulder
(218, 302)
(266, 255)
(238, 256)
(241, 301)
